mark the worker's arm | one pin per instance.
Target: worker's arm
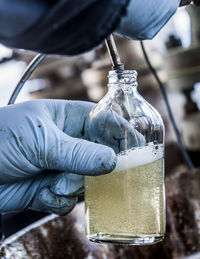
(75, 26)
(58, 26)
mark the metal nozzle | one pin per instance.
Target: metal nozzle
(114, 56)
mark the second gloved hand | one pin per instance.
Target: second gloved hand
(145, 18)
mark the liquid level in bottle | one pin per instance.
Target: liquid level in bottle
(126, 206)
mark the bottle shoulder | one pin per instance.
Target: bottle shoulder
(130, 105)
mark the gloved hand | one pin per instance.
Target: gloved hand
(145, 18)
(44, 154)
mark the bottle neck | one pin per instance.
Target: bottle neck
(125, 79)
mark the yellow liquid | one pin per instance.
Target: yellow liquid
(126, 206)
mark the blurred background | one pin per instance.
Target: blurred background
(175, 53)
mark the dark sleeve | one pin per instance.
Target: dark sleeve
(66, 27)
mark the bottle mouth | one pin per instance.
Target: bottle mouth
(123, 73)
(123, 77)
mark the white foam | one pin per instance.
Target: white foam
(139, 156)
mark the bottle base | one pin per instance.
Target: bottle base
(123, 239)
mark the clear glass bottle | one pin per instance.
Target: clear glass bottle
(127, 206)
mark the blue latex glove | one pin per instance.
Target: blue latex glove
(145, 18)
(43, 155)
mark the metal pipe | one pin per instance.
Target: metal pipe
(114, 55)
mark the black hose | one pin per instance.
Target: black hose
(171, 116)
(29, 70)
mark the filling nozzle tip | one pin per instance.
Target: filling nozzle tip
(117, 65)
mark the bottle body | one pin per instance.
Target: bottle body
(127, 206)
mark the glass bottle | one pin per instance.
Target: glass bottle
(127, 206)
